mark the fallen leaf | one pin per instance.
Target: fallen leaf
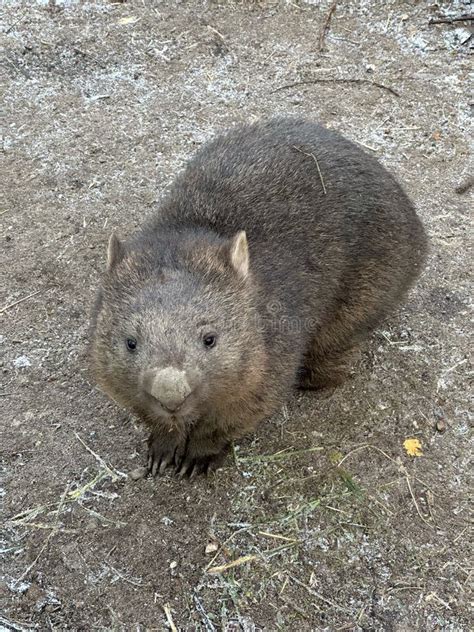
(211, 548)
(413, 447)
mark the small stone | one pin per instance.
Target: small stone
(211, 548)
(92, 524)
(138, 473)
(173, 565)
(21, 362)
(463, 34)
(441, 425)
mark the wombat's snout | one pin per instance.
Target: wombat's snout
(168, 386)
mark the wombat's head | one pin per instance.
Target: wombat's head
(173, 333)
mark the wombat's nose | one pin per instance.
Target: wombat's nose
(169, 386)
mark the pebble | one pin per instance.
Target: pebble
(138, 473)
(441, 425)
(21, 362)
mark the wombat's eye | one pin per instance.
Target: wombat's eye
(209, 340)
(131, 344)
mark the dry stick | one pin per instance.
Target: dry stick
(317, 166)
(313, 81)
(12, 26)
(51, 535)
(461, 18)
(414, 500)
(211, 28)
(12, 625)
(404, 470)
(238, 562)
(205, 619)
(316, 594)
(325, 27)
(115, 474)
(135, 582)
(169, 618)
(4, 309)
(222, 547)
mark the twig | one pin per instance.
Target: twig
(4, 309)
(460, 18)
(222, 547)
(277, 536)
(14, 625)
(169, 618)
(46, 542)
(439, 382)
(415, 503)
(398, 588)
(238, 562)
(12, 26)
(115, 474)
(317, 166)
(314, 81)
(271, 552)
(367, 147)
(134, 582)
(282, 454)
(363, 447)
(211, 28)
(207, 622)
(325, 27)
(401, 468)
(311, 591)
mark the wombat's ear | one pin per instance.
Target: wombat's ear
(115, 251)
(239, 254)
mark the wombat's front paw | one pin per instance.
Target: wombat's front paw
(164, 449)
(194, 464)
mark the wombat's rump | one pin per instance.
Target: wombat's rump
(277, 249)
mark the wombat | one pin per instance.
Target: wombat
(276, 251)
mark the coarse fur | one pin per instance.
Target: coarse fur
(331, 245)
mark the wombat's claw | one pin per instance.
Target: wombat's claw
(162, 455)
(191, 468)
(158, 461)
(158, 465)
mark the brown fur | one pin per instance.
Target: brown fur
(326, 265)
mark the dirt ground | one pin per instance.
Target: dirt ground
(332, 525)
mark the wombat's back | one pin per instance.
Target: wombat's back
(309, 199)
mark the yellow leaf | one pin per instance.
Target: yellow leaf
(129, 19)
(413, 447)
